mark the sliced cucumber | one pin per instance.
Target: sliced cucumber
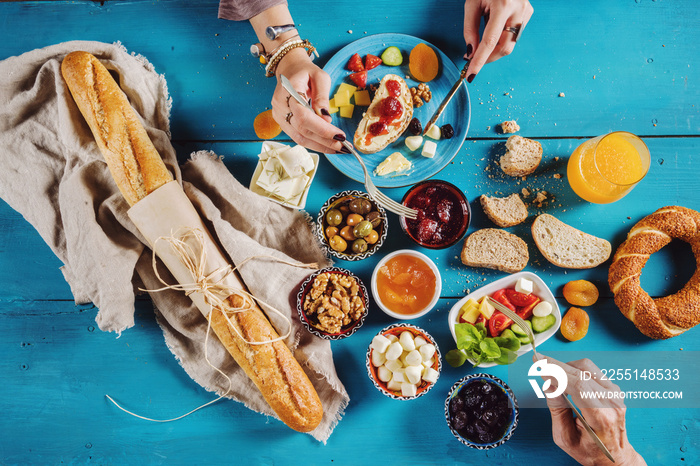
(392, 56)
(524, 340)
(540, 324)
(518, 331)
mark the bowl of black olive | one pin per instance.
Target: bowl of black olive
(481, 411)
(351, 226)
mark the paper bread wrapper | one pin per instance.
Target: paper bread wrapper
(168, 212)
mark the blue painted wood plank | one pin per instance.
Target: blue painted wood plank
(621, 65)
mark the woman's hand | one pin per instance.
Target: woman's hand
(312, 129)
(606, 417)
(496, 41)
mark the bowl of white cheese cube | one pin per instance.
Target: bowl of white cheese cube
(403, 361)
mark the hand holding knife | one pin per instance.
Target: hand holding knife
(447, 98)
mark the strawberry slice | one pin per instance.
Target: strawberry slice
(360, 79)
(355, 63)
(372, 61)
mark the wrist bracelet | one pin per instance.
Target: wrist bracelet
(276, 56)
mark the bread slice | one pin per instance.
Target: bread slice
(495, 249)
(504, 211)
(522, 157)
(565, 246)
(363, 140)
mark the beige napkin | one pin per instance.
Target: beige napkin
(54, 175)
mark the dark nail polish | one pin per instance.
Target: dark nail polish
(339, 137)
(469, 50)
(344, 150)
(325, 112)
(471, 78)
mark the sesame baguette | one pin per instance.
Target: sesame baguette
(138, 170)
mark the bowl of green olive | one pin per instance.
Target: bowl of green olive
(351, 226)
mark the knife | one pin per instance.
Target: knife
(447, 99)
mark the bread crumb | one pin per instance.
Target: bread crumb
(349, 31)
(508, 127)
(540, 198)
(557, 176)
(556, 159)
(525, 192)
(561, 94)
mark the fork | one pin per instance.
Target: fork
(378, 196)
(526, 328)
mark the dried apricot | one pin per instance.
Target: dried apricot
(265, 126)
(574, 324)
(581, 293)
(423, 63)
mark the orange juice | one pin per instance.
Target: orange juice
(606, 168)
(406, 284)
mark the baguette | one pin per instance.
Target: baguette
(138, 170)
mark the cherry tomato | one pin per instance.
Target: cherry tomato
(501, 297)
(520, 299)
(526, 311)
(498, 323)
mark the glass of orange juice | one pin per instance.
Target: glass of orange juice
(604, 169)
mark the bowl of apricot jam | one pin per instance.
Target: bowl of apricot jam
(406, 284)
(443, 214)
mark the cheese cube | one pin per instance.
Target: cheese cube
(296, 161)
(393, 365)
(349, 88)
(413, 374)
(408, 389)
(414, 358)
(362, 98)
(346, 111)
(380, 343)
(406, 341)
(523, 285)
(394, 351)
(392, 337)
(384, 374)
(419, 341)
(398, 376)
(429, 149)
(394, 386)
(378, 359)
(430, 375)
(342, 98)
(427, 352)
(332, 107)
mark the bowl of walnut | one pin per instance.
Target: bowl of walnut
(332, 303)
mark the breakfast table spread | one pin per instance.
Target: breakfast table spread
(580, 70)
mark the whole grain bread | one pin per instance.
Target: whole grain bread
(504, 211)
(565, 246)
(495, 249)
(522, 157)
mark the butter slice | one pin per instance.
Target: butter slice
(396, 162)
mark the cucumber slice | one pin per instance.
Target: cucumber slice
(524, 340)
(392, 56)
(518, 331)
(540, 324)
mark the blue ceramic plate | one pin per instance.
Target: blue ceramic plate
(457, 112)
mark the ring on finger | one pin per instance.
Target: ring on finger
(515, 30)
(288, 118)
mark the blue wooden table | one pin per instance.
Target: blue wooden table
(625, 65)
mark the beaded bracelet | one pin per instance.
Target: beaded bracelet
(278, 54)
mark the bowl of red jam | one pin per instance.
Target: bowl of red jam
(443, 214)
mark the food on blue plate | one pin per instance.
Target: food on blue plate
(355, 63)
(415, 127)
(386, 118)
(392, 56)
(394, 163)
(433, 132)
(522, 156)
(421, 94)
(359, 78)
(443, 214)
(372, 61)
(423, 63)
(447, 131)
(504, 211)
(574, 324)
(413, 142)
(429, 149)
(567, 247)
(497, 249)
